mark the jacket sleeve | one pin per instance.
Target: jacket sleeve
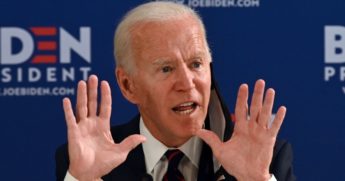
(281, 165)
(61, 162)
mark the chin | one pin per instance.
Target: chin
(192, 129)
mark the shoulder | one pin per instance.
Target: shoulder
(120, 132)
(282, 147)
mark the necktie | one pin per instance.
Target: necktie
(173, 174)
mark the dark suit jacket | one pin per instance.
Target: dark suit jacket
(133, 169)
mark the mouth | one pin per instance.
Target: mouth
(185, 108)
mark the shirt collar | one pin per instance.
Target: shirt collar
(154, 149)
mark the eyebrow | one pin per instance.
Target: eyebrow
(161, 61)
(166, 60)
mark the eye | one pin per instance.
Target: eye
(196, 65)
(166, 69)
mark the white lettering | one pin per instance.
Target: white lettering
(51, 74)
(36, 91)
(7, 57)
(224, 3)
(85, 71)
(34, 74)
(20, 75)
(334, 44)
(255, 3)
(68, 74)
(342, 74)
(6, 76)
(329, 72)
(69, 43)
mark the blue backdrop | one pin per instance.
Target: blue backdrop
(283, 42)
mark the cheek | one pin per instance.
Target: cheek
(149, 95)
(141, 91)
(205, 84)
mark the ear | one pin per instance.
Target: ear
(125, 82)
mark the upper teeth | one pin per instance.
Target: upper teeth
(186, 104)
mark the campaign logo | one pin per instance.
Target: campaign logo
(218, 3)
(334, 70)
(33, 59)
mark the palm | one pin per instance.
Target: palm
(247, 151)
(92, 150)
(247, 155)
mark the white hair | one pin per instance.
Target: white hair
(149, 12)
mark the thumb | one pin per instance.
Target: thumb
(210, 138)
(131, 142)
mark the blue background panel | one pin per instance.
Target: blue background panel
(279, 41)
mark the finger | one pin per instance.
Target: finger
(256, 103)
(278, 120)
(241, 110)
(211, 139)
(266, 112)
(69, 116)
(92, 95)
(131, 142)
(105, 109)
(81, 101)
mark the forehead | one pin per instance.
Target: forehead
(163, 38)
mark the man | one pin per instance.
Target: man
(164, 67)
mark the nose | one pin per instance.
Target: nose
(184, 79)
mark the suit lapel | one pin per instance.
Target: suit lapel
(205, 172)
(133, 168)
(136, 163)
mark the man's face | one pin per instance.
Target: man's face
(172, 78)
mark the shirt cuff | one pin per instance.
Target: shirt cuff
(69, 177)
(273, 178)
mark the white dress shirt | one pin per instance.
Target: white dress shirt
(157, 163)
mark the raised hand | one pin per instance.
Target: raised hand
(92, 150)
(248, 154)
